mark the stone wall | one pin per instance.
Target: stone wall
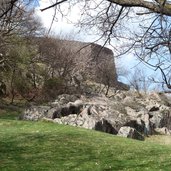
(94, 61)
(93, 56)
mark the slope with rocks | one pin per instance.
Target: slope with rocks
(127, 114)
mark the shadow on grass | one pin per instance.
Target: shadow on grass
(36, 146)
(11, 112)
(62, 151)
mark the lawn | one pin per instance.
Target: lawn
(38, 146)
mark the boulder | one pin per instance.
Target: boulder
(46, 119)
(97, 111)
(129, 132)
(54, 104)
(35, 113)
(105, 126)
(131, 112)
(70, 108)
(119, 96)
(161, 119)
(57, 120)
(89, 123)
(137, 124)
(166, 119)
(69, 120)
(51, 111)
(162, 131)
(66, 98)
(75, 107)
(147, 125)
(88, 120)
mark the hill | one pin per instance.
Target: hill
(29, 146)
(123, 113)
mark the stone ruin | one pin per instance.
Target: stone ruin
(91, 58)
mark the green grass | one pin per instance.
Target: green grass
(38, 146)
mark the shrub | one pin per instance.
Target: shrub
(53, 87)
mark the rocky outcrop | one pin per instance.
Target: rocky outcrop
(105, 126)
(70, 108)
(129, 132)
(124, 113)
(89, 57)
(35, 113)
(162, 131)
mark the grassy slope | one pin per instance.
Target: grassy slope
(27, 146)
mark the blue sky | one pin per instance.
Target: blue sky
(34, 3)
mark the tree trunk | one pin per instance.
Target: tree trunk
(12, 87)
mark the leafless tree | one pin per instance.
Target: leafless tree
(138, 80)
(17, 25)
(57, 55)
(116, 20)
(106, 74)
(15, 20)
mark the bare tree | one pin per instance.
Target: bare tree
(116, 20)
(57, 55)
(17, 26)
(60, 64)
(15, 20)
(139, 81)
(106, 74)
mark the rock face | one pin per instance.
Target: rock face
(125, 113)
(35, 113)
(162, 131)
(105, 126)
(70, 108)
(90, 57)
(129, 132)
(93, 55)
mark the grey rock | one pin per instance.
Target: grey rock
(50, 112)
(70, 108)
(80, 121)
(162, 131)
(66, 98)
(166, 119)
(57, 120)
(138, 125)
(129, 132)
(105, 126)
(47, 119)
(156, 119)
(55, 104)
(89, 123)
(35, 113)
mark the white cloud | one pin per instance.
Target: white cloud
(64, 24)
(61, 23)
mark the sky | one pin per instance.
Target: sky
(64, 26)
(60, 24)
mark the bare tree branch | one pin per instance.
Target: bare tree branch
(55, 4)
(166, 10)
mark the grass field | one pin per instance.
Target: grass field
(38, 146)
